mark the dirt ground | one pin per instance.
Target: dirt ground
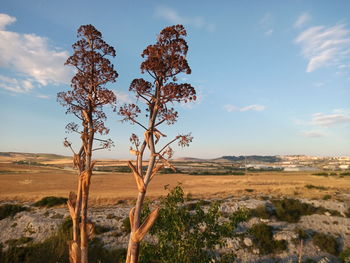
(30, 183)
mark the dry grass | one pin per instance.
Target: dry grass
(30, 183)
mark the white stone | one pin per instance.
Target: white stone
(248, 241)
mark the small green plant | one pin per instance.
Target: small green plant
(263, 239)
(326, 197)
(50, 201)
(326, 243)
(344, 256)
(8, 210)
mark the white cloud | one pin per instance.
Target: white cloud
(319, 84)
(172, 16)
(337, 117)
(266, 20)
(253, 107)
(269, 32)
(230, 108)
(302, 20)
(312, 134)
(324, 46)
(42, 96)
(16, 85)
(32, 58)
(6, 20)
(266, 24)
(122, 97)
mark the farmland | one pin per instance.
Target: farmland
(25, 177)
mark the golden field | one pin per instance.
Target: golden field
(31, 182)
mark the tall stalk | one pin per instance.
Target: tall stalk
(85, 101)
(163, 62)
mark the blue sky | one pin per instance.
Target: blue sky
(272, 77)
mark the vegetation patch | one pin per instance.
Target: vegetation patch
(263, 239)
(8, 210)
(311, 186)
(326, 197)
(55, 249)
(347, 212)
(262, 211)
(344, 256)
(30, 163)
(290, 210)
(19, 242)
(215, 172)
(321, 174)
(101, 229)
(50, 201)
(326, 243)
(189, 235)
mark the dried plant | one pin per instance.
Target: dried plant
(163, 62)
(85, 101)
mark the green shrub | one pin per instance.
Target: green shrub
(50, 201)
(186, 235)
(126, 228)
(344, 256)
(301, 233)
(326, 197)
(262, 211)
(290, 210)
(345, 174)
(347, 212)
(101, 229)
(326, 243)
(8, 210)
(263, 239)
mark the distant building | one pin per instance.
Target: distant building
(299, 169)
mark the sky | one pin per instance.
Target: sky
(272, 77)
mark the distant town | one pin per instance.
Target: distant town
(291, 162)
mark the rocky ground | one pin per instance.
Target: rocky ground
(39, 223)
